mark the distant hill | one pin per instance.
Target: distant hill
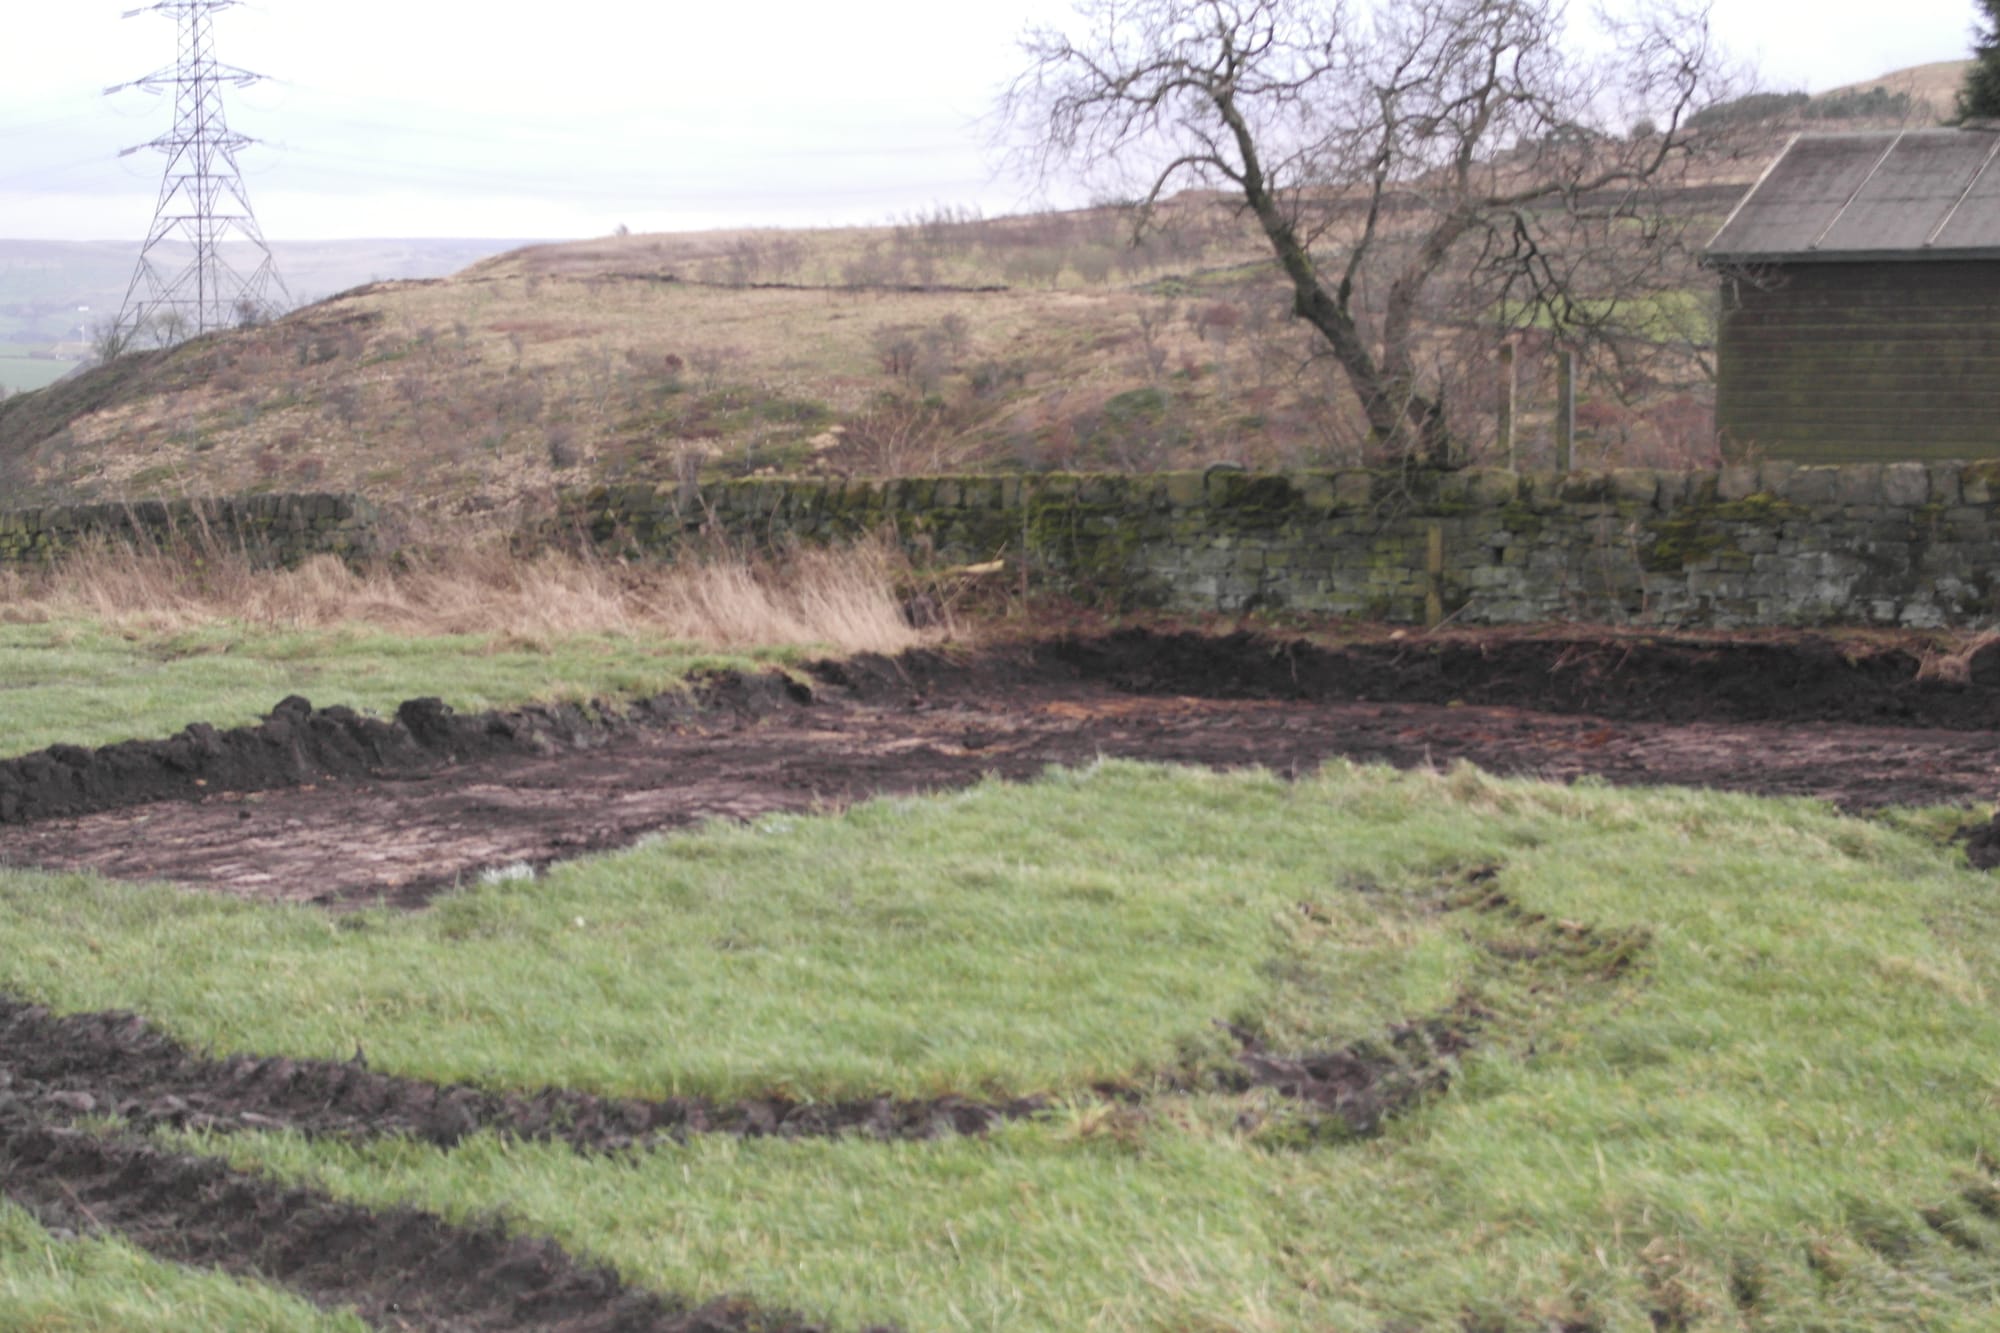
(51, 292)
(1932, 89)
(948, 342)
(1922, 95)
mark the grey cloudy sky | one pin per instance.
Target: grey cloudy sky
(570, 117)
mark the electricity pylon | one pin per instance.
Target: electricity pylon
(202, 199)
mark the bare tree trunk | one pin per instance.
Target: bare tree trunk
(1403, 422)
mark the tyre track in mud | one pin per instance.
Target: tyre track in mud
(398, 1268)
(116, 1064)
(402, 1268)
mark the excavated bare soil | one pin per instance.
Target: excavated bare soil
(325, 806)
(328, 807)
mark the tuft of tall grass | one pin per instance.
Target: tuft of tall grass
(843, 599)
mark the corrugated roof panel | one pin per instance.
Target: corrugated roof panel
(1803, 191)
(1863, 195)
(1909, 194)
(1976, 224)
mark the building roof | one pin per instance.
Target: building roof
(1913, 194)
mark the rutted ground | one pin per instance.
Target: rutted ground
(400, 1269)
(79, 1095)
(328, 807)
(433, 798)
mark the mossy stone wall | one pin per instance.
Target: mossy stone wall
(1907, 544)
(274, 529)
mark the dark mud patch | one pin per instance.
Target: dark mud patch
(453, 796)
(117, 1064)
(1357, 1089)
(1982, 845)
(1796, 679)
(397, 1268)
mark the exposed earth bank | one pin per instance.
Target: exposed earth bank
(327, 806)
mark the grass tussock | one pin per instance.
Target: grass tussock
(842, 599)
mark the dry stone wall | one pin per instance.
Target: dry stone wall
(275, 529)
(1907, 544)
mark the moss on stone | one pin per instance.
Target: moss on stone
(1255, 501)
(1757, 507)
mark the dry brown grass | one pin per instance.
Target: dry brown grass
(1949, 658)
(1039, 342)
(844, 599)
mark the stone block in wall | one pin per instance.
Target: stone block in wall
(1818, 485)
(1317, 492)
(1544, 493)
(1185, 490)
(1979, 483)
(1906, 484)
(1354, 488)
(1055, 488)
(1635, 486)
(1944, 483)
(1492, 488)
(1737, 481)
(1859, 487)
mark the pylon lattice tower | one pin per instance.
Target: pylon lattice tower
(202, 202)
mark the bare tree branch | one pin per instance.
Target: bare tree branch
(1456, 159)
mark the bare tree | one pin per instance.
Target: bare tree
(1410, 162)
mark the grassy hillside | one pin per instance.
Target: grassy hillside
(1017, 343)
(946, 341)
(53, 292)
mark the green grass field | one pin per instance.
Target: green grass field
(91, 685)
(1737, 1070)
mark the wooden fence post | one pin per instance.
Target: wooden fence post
(1508, 379)
(1565, 410)
(1434, 577)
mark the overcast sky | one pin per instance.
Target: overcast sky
(432, 118)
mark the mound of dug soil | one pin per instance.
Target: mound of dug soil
(299, 744)
(1801, 679)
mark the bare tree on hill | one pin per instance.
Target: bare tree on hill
(1412, 163)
